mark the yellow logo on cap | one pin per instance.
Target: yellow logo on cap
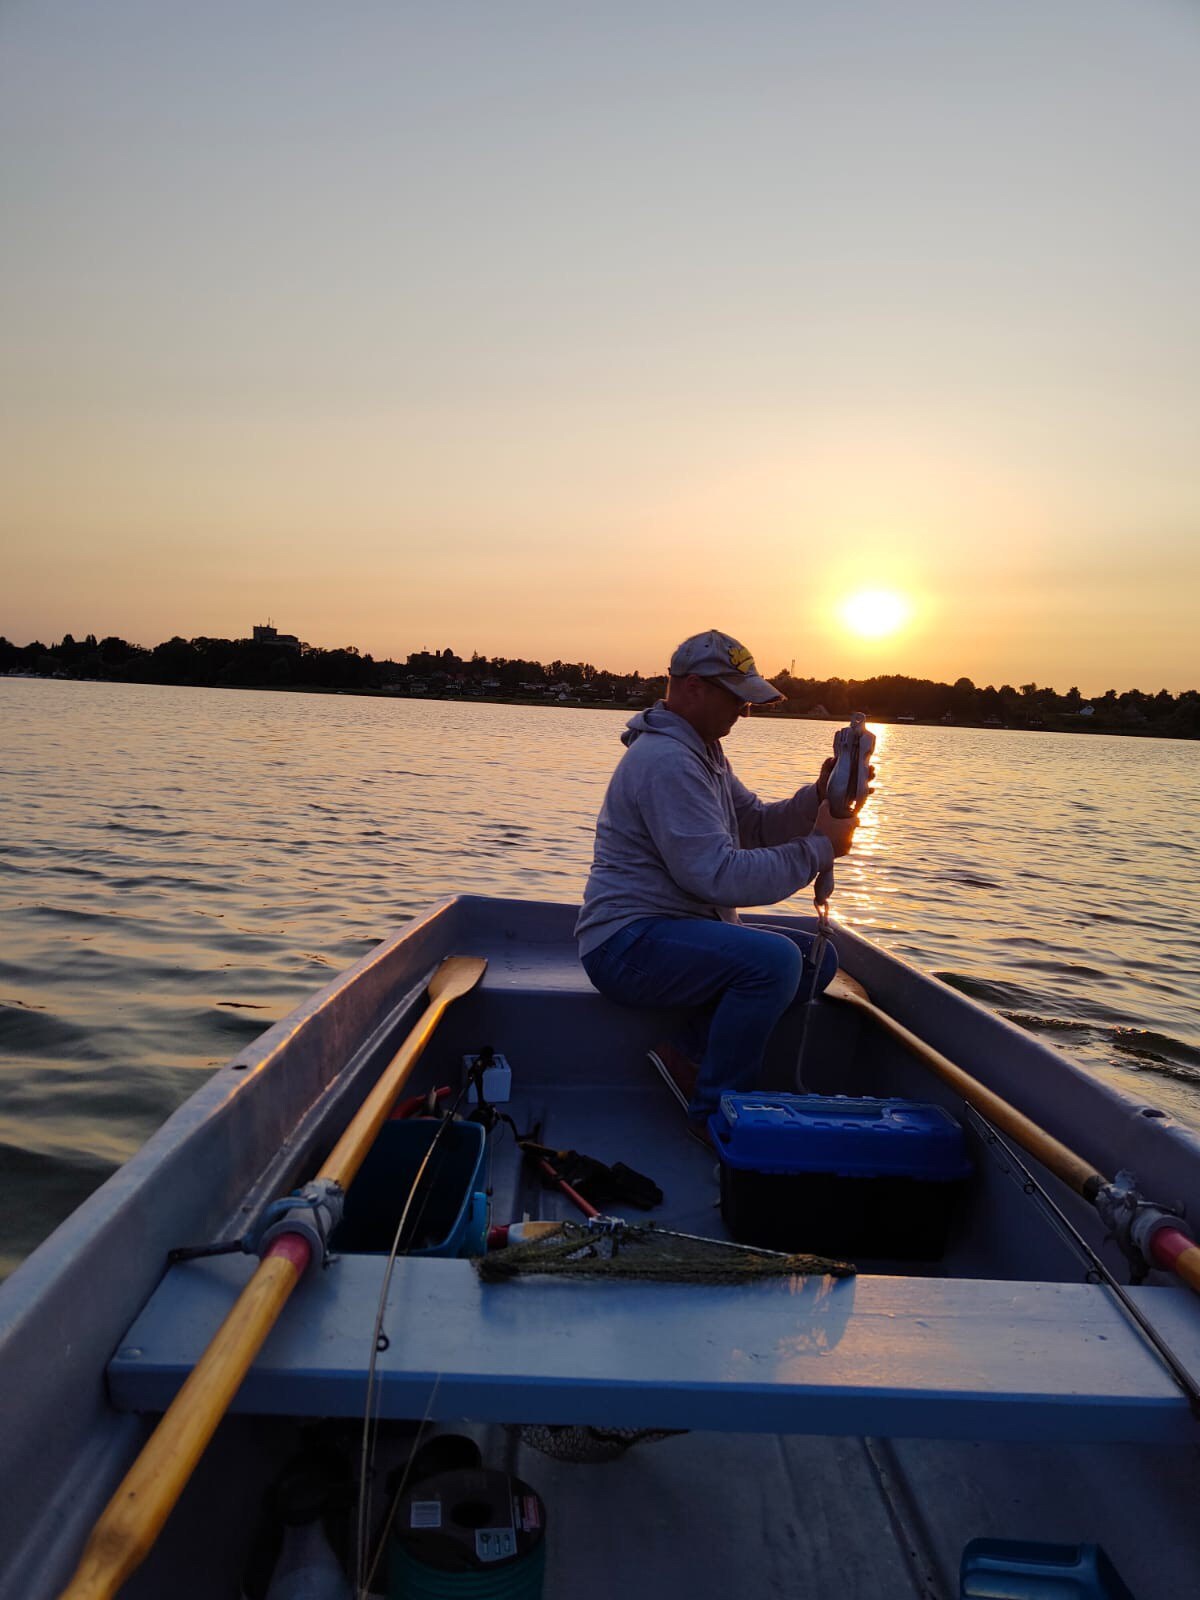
(741, 658)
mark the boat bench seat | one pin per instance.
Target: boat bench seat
(933, 1358)
(532, 994)
(536, 969)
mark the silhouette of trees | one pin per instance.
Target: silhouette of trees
(277, 664)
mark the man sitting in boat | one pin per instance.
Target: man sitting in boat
(680, 844)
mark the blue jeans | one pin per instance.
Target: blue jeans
(743, 979)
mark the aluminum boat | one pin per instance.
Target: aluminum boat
(825, 1437)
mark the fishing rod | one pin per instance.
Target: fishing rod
(1149, 1235)
(1097, 1270)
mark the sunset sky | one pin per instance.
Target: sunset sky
(564, 330)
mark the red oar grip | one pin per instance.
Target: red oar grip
(293, 1247)
(1168, 1245)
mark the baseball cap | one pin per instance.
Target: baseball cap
(717, 655)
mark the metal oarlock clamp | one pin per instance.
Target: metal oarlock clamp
(1133, 1221)
(313, 1212)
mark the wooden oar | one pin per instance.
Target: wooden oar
(1170, 1247)
(133, 1518)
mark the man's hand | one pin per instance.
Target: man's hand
(825, 773)
(838, 830)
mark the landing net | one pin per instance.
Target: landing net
(610, 1248)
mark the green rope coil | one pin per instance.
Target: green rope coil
(410, 1579)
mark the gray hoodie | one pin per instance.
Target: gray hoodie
(679, 836)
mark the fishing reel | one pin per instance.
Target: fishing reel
(849, 784)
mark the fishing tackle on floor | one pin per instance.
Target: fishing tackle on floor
(471, 1532)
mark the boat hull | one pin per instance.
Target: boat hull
(1003, 1349)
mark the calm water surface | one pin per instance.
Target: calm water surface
(178, 867)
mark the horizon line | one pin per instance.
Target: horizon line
(783, 672)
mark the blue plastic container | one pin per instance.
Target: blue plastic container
(839, 1176)
(1020, 1569)
(449, 1216)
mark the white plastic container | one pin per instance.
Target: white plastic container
(307, 1568)
(497, 1080)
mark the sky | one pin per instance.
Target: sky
(564, 330)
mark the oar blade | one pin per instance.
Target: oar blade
(456, 976)
(843, 987)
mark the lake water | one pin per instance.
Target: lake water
(178, 867)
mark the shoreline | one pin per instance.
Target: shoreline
(588, 703)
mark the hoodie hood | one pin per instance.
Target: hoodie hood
(658, 720)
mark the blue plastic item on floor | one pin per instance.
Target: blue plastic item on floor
(1020, 1569)
(449, 1214)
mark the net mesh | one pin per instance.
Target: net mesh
(642, 1250)
(589, 1446)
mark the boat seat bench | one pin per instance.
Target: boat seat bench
(885, 1356)
(602, 1036)
(535, 968)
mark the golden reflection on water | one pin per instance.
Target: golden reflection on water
(867, 834)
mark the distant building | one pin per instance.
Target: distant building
(264, 633)
(1087, 711)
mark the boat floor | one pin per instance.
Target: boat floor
(709, 1516)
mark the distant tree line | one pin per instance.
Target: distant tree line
(279, 664)
(893, 698)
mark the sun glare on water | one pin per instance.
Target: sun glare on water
(874, 613)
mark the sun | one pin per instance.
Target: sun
(874, 613)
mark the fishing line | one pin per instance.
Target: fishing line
(1096, 1267)
(370, 1419)
(365, 1590)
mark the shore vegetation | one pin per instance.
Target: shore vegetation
(283, 662)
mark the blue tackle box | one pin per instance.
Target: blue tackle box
(839, 1176)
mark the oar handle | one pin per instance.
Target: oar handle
(133, 1518)
(1165, 1246)
(1175, 1252)
(1064, 1163)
